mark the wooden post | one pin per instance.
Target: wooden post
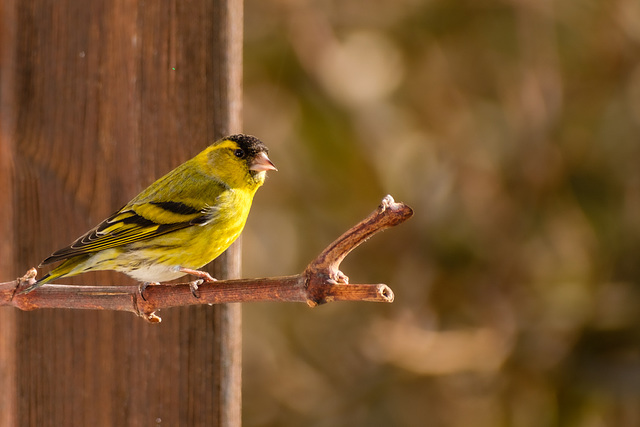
(97, 100)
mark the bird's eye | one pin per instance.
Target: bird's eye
(239, 153)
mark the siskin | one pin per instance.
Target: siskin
(179, 223)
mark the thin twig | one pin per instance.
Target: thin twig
(319, 283)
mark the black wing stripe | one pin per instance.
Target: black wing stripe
(176, 208)
(133, 219)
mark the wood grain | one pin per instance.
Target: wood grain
(105, 97)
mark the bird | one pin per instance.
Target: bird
(178, 224)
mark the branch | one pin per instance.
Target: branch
(319, 283)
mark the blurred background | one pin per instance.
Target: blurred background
(512, 129)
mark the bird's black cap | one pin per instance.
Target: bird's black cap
(250, 144)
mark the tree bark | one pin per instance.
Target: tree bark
(99, 99)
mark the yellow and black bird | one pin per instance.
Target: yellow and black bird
(179, 223)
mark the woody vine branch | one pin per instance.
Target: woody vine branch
(321, 282)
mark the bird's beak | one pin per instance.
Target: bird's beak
(262, 163)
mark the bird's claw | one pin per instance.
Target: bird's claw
(194, 287)
(142, 286)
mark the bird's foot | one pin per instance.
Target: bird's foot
(194, 287)
(203, 277)
(142, 286)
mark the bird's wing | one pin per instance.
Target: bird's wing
(133, 223)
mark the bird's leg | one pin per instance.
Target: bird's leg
(203, 275)
(142, 286)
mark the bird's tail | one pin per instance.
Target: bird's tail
(46, 278)
(64, 269)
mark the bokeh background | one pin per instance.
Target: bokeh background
(513, 130)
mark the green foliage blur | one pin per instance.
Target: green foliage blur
(513, 130)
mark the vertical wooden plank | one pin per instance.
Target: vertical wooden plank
(8, 372)
(228, 320)
(108, 95)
